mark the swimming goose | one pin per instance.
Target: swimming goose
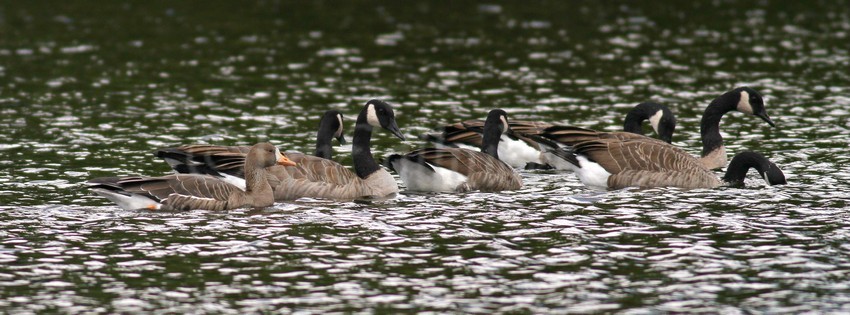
(742, 99)
(313, 177)
(196, 191)
(460, 170)
(518, 147)
(615, 164)
(181, 160)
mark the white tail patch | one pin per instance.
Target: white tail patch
(128, 201)
(372, 116)
(592, 174)
(744, 105)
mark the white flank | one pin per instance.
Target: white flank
(517, 153)
(655, 118)
(131, 202)
(558, 163)
(419, 178)
(592, 174)
(235, 181)
(744, 105)
(372, 116)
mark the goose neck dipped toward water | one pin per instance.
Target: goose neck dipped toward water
(741, 164)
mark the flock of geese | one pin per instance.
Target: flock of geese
(468, 156)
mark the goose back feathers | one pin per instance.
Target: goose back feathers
(520, 147)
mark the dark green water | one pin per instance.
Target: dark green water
(89, 89)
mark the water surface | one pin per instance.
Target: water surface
(90, 89)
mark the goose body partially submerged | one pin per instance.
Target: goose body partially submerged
(460, 170)
(197, 191)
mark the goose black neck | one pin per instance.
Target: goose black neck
(710, 124)
(364, 163)
(323, 141)
(491, 137)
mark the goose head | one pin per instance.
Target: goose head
(332, 121)
(380, 114)
(267, 155)
(499, 119)
(660, 118)
(751, 102)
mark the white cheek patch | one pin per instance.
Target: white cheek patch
(744, 105)
(372, 116)
(505, 125)
(339, 130)
(654, 119)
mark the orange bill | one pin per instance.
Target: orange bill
(283, 160)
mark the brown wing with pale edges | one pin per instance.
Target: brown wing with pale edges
(183, 191)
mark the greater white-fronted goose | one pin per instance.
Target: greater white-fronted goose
(460, 170)
(615, 164)
(196, 191)
(520, 149)
(313, 177)
(742, 99)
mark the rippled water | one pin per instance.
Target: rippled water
(90, 89)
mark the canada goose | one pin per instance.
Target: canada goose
(520, 149)
(615, 164)
(742, 99)
(460, 170)
(313, 177)
(330, 127)
(196, 191)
